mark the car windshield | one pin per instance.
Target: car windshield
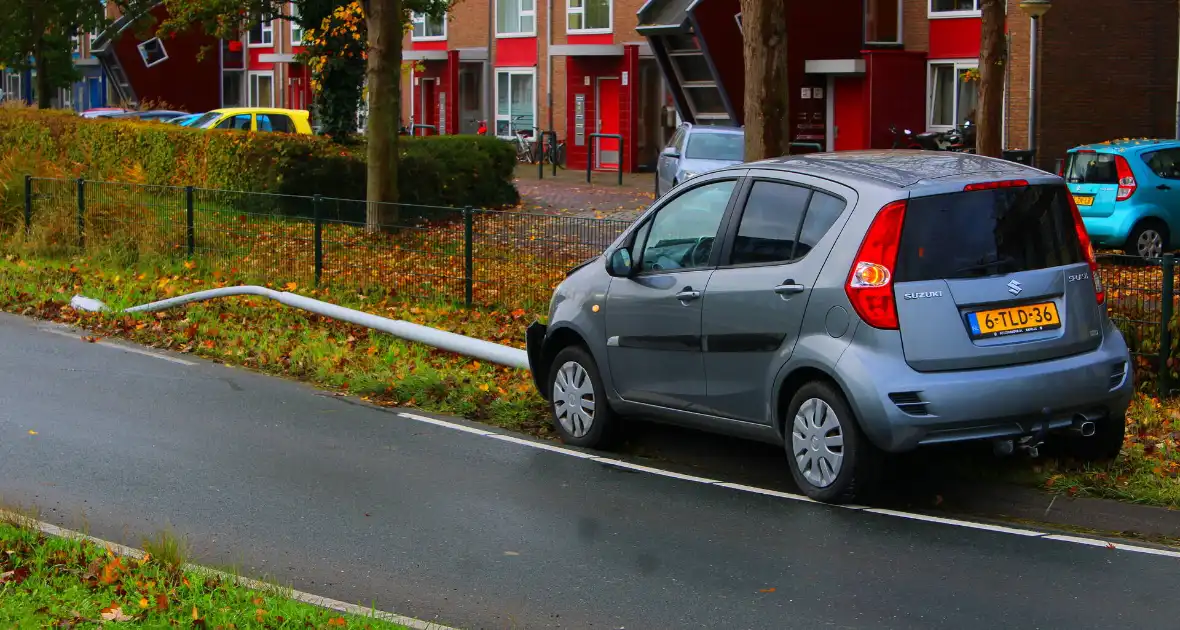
(1088, 167)
(206, 120)
(706, 145)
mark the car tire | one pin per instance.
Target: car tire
(810, 447)
(1151, 234)
(574, 381)
(1104, 445)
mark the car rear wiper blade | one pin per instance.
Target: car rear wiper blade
(983, 266)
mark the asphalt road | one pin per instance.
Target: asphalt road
(358, 504)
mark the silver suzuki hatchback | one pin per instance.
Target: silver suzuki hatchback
(845, 305)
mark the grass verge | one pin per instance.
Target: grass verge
(265, 336)
(65, 583)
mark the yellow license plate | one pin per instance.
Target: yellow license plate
(1082, 200)
(1014, 320)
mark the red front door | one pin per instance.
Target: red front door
(606, 110)
(429, 107)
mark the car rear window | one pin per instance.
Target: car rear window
(986, 233)
(1091, 168)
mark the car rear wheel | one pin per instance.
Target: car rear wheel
(1149, 239)
(581, 414)
(830, 457)
(1104, 445)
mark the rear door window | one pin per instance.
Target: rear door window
(769, 228)
(1164, 163)
(1086, 167)
(274, 122)
(987, 233)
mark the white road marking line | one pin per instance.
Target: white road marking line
(300, 596)
(118, 346)
(999, 529)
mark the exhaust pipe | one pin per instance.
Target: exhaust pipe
(1083, 426)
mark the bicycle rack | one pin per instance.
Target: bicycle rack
(414, 128)
(541, 152)
(590, 153)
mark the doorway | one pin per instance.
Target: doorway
(606, 108)
(426, 106)
(470, 97)
(651, 106)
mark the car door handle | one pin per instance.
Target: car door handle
(1164, 187)
(688, 295)
(789, 288)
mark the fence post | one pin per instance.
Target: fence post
(190, 222)
(28, 205)
(468, 256)
(622, 156)
(1165, 324)
(319, 237)
(553, 139)
(81, 212)
(540, 155)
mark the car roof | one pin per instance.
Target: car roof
(896, 168)
(259, 110)
(713, 128)
(1128, 145)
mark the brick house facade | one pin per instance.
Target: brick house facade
(574, 66)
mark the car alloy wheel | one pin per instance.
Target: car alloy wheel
(1150, 244)
(817, 442)
(573, 399)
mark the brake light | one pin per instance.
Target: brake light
(1010, 183)
(1087, 249)
(870, 280)
(1127, 183)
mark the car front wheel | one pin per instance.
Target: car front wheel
(581, 414)
(830, 458)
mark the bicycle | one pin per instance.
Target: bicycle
(554, 153)
(520, 140)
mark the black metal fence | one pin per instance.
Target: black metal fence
(1141, 299)
(469, 255)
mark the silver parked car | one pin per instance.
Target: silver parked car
(697, 149)
(845, 305)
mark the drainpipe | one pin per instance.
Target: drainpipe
(489, 74)
(549, 60)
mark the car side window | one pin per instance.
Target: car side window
(769, 229)
(674, 143)
(821, 215)
(1164, 163)
(274, 122)
(240, 122)
(682, 141)
(682, 232)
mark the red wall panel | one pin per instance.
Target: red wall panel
(434, 45)
(601, 38)
(957, 38)
(851, 114)
(516, 52)
(578, 71)
(896, 94)
(182, 81)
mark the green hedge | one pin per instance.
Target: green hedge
(441, 171)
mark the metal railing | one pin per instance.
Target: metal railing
(590, 152)
(468, 255)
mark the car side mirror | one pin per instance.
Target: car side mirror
(671, 152)
(619, 264)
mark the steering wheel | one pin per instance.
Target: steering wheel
(698, 256)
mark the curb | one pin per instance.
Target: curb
(50, 529)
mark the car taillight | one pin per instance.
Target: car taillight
(1087, 248)
(1127, 183)
(870, 280)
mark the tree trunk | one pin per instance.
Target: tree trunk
(767, 95)
(384, 79)
(44, 92)
(993, 64)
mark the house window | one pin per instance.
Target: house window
(589, 15)
(882, 21)
(296, 29)
(953, 94)
(262, 92)
(516, 18)
(954, 8)
(427, 28)
(263, 33)
(152, 52)
(515, 104)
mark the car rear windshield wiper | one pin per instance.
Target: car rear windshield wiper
(996, 263)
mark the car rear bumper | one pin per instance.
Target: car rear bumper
(1111, 231)
(901, 409)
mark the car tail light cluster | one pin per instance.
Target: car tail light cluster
(870, 281)
(1087, 249)
(1127, 183)
(1008, 183)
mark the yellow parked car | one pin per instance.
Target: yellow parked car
(257, 119)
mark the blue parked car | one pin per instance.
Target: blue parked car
(695, 150)
(1128, 193)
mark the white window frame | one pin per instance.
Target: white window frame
(938, 15)
(958, 65)
(422, 19)
(900, 26)
(571, 10)
(496, 117)
(521, 14)
(267, 32)
(296, 29)
(251, 77)
(157, 62)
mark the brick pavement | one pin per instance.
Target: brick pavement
(570, 195)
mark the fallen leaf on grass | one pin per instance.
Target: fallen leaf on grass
(337, 621)
(15, 576)
(161, 602)
(114, 612)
